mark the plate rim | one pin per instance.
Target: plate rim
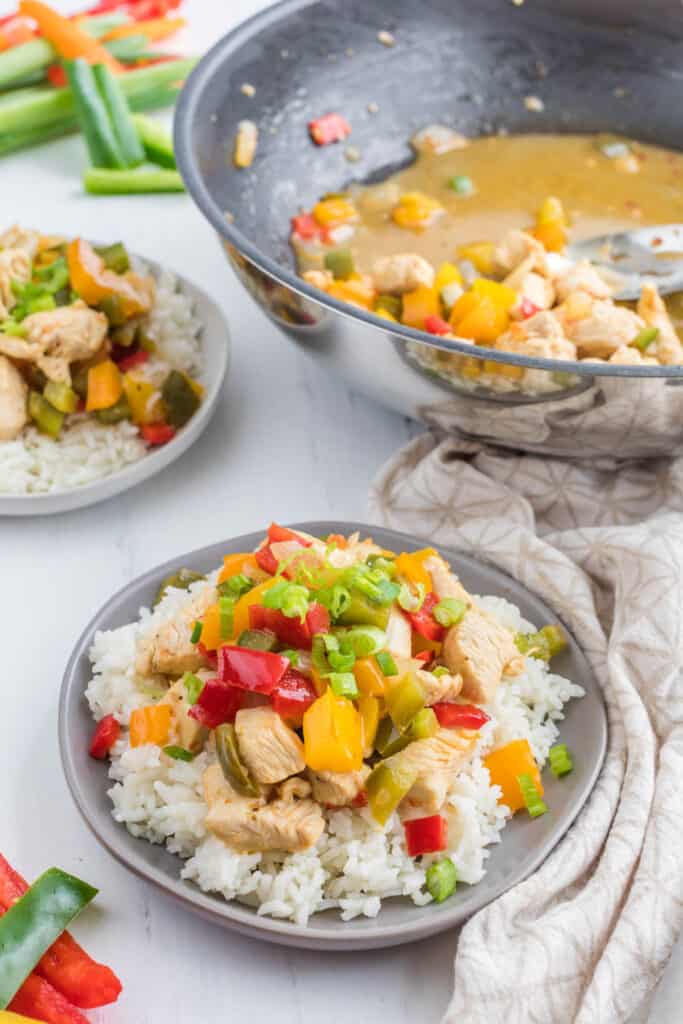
(239, 917)
(135, 473)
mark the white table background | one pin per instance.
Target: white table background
(287, 443)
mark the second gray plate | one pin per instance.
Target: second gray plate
(525, 842)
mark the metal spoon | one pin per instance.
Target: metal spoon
(655, 253)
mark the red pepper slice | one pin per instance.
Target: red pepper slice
(329, 128)
(134, 359)
(292, 632)
(217, 703)
(104, 737)
(423, 622)
(247, 669)
(276, 535)
(460, 716)
(435, 325)
(157, 433)
(426, 835)
(305, 226)
(293, 695)
(66, 971)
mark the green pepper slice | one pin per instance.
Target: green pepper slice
(404, 699)
(386, 785)
(257, 639)
(179, 399)
(48, 419)
(181, 580)
(231, 764)
(360, 611)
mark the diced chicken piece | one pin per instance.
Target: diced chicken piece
(319, 278)
(58, 337)
(518, 247)
(250, 825)
(529, 285)
(439, 688)
(169, 650)
(629, 355)
(480, 650)
(402, 272)
(295, 788)
(539, 335)
(270, 749)
(13, 397)
(20, 238)
(185, 731)
(437, 139)
(437, 761)
(398, 634)
(338, 789)
(653, 311)
(444, 580)
(582, 277)
(605, 329)
(15, 265)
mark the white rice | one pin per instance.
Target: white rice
(87, 450)
(355, 864)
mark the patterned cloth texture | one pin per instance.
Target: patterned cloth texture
(585, 939)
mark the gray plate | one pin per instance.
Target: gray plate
(525, 844)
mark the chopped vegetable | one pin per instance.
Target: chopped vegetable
(48, 419)
(196, 634)
(120, 117)
(257, 639)
(532, 798)
(293, 696)
(216, 703)
(290, 630)
(150, 724)
(329, 128)
(178, 753)
(551, 225)
(333, 735)
(104, 386)
(246, 142)
(415, 210)
(461, 184)
(441, 879)
(449, 611)
(390, 304)
(460, 716)
(248, 669)
(506, 764)
(343, 684)
(560, 760)
(102, 182)
(644, 338)
(386, 786)
(193, 687)
(156, 140)
(232, 766)
(69, 40)
(423, 621)
(61, 396)
(543, 645)
(368, 708)
(94, 282)
(103, 145)
(43, 1002)
(340, 263)
(31, 925)
(436, 325)
(369, 679)
(157, 433)
(386, 663)
(153, 29)
(426, 835)
(234, 565)
(403, 699)
(106, 733)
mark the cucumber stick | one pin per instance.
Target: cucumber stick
(103, 145)
(119, 116)
(156, 140)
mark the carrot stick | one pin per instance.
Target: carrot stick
(68, 39)
(154, 29)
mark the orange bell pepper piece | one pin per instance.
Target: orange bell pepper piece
(479, 318)
(233, 565)
(551, 225)
(240, 615)
(91, 280)
(68, 39)
(104, 386)
(369, 677)
(356, 289)
(368, 709)
(418, 305)
(333, 735)
(144, 399)
(506, 764)
(211, 637)
(330, 213)
(480, 255)
(150, 724)
(411, 565)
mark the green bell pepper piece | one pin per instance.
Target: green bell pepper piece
(235, 772)
(441, 879)
(360, 611)
(404, 699)
(386, 785)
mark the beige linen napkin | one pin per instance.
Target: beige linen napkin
(586, 938)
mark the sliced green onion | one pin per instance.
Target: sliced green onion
(225, 609)
(645, 338)
(14, 329)
(384, 565)
(343, 684)
(341, 661)
(338, 600)
(461, 184)
(120, 119)
(362, 640)
(532, 798)
(449, 611)
(319, 655)
(560, 760)
(534, 645)
(178, 753)
(196, 633)
(293, 656)
(193, 687)
(340, 262)
(235, 586)
(295, 602)
(257, 639)
(411, 599)
(439, 671)
(386, 663)
(441, 879)
(101, 181)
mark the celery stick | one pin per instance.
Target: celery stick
(101, 182)
(25, 59)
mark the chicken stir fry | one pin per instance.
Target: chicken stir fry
(321, 674)
(520, 294)
(75, 342)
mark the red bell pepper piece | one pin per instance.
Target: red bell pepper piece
(329, 128)
(134, 359)
(305, 226)
(435, 325)
(56, 75)
(460, 716)
(424, 656)
(527, 308)
(426, 835)
(157, 433)
(293, 695)
(292, 632)
(106, 733)
(247, 669)
(276, 535)
(423, 622)
(217, 703)
(66, 971)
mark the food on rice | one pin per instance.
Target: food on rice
(97, 361)
(323, 723)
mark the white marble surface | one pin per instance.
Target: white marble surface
(287, 443)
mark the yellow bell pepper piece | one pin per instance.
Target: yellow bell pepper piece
(369, 677)
(333, 735)
(418, 305)
(144, 399)
(483, 321)
(150, 724)
(411, 565)
(415, 210)
(368, 709)
(104, 386)
(385, 315)
(211, 628)
(15, 1018)
(480, 255)
(233, 565)
(501, 294)
(332, 212)
(240, 614)
(506, 764)
(447, 273)
(551, 225)
(357, 290)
